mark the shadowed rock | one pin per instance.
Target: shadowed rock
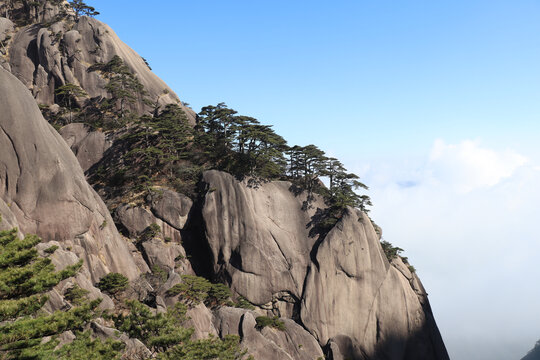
(533, 354)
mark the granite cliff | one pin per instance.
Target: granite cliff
(336, 292)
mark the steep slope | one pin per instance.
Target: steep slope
(57, 50)
(334, 289)
(43, 189)
(534, 353)
(340, 287)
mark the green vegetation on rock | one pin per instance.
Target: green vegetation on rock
(164, 334)
(25, 331)
(274, 322)
(113, 283)
(195, 289)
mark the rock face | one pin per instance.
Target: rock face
(43, 186)
(87, 145)
(334, 290)
(294, 343)
(258, 237)
(171, 207)
(353, 291)
(534, 354)
(343, 288)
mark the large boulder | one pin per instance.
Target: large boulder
(6, 27)
(171, 207)
(135, 220)
(43, 185)
(165, 249)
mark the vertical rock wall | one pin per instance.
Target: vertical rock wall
(44, 187)
(346, 293)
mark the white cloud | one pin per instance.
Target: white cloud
(467, 166)
(466, 216)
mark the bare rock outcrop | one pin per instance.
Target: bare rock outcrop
(6, 27)
(44, 187)
(87, 145)
(351, 290)
(350, 298)
(293, 343)
(165, 250)
(257, 236)
(171, 207)
(9, 221)
(6, 30)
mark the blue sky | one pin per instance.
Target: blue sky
(440, 96)
(403, 69)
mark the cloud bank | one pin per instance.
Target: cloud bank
(466, 216)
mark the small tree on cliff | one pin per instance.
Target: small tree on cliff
(123, 86)
(68, 94)
(81, 8)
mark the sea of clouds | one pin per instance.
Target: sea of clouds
(467, 216)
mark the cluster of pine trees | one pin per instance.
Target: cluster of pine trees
(28, 332)
(162, 147)
(25, 12)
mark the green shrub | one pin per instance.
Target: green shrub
(160, 273)
(179, 258)
(76, 295)
(218, 294)
(25, 278)
(51, 249)
(164, 334)
(264, 321)
(244, 304)
(192, 289)
(113, 283)
(150, 232)
(390, 251)
(85, 347)
(195, 289)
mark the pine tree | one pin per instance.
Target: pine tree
(123, 86)
(81, 8)
(25, 277)
(165, 336)
(69, 93)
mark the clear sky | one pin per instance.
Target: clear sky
(434, 103)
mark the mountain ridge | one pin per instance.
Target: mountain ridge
(256, 237)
